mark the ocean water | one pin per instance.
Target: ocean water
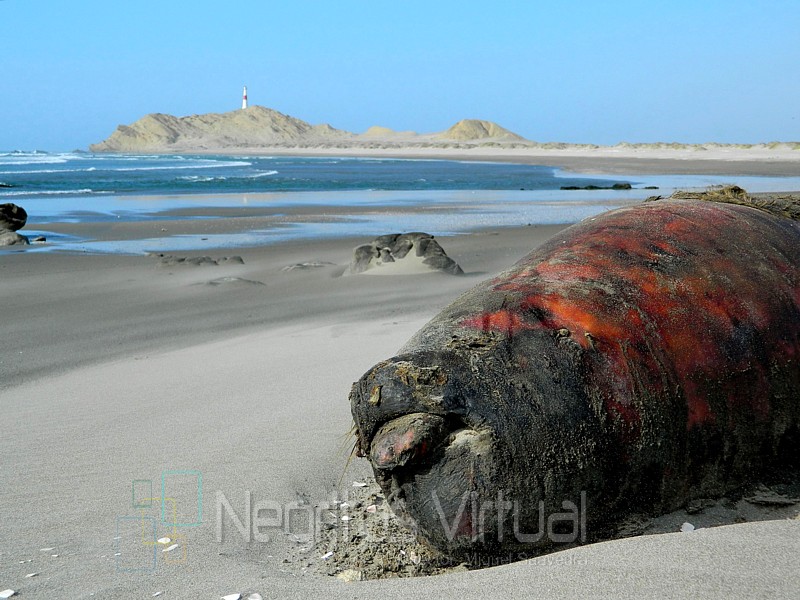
(380, 195)
(77, 174)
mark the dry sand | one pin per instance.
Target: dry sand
(122, 374)
(615, 160)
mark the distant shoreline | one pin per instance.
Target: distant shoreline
(605, 160)
(601, 161)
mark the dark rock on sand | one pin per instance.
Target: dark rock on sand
(12, 217)
(398, 247)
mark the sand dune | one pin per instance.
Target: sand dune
(474, 129)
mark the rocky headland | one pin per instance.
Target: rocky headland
(260, 127)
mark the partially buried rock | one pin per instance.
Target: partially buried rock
(233, 280)
(401, 254)
(168, 260)
(12, 238)
(12, 217)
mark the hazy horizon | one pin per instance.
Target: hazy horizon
(574, 72)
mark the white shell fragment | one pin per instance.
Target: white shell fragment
(255, 596)
(7, 593)
(232, 597)
(359, 484)
(29, 575)
(46, 549)
(372, 508)
(171, 548)
(687, 527)
(164, 540)
(327, 555)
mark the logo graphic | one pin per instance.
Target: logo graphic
(154, 530)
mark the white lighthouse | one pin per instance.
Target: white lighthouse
(244, 98)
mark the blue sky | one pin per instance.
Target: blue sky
(595, 72)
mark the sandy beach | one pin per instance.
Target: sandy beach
(145, 398)
(652, 159)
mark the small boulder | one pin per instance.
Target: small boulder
(12, 217)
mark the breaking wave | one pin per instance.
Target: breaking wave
(262, 174)
(50, 192)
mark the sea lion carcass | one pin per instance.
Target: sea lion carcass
(633, 362)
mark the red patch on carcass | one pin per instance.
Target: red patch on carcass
(666, 299)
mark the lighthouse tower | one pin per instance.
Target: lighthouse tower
(244, 98)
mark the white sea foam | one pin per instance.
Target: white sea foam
(213, 165)
(262, 174)
(49, 192)
(44, 159)
(131, 157)
(26, 158)
(199, 178)
(44, 171)
(31, 159)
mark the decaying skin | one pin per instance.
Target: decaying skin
(644, 357)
